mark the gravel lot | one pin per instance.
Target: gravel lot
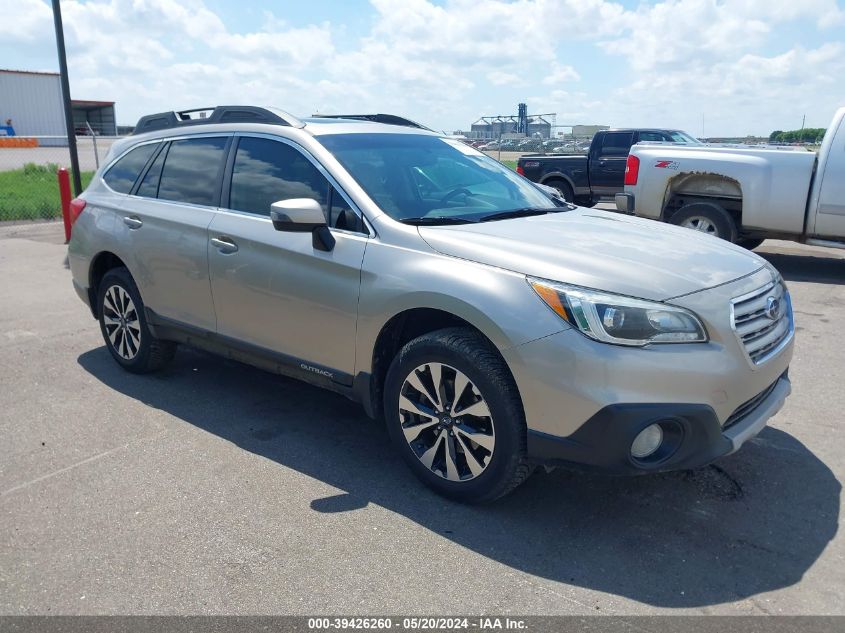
(216, 488)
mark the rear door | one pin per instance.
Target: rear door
(165, 223)
(607, 163)
(273, 290)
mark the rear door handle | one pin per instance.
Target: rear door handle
(132, 222)
(224, 244)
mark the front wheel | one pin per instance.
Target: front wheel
(706, 217)
(454, 413)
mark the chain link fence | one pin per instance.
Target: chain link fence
(29, 187)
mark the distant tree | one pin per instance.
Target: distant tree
(807, 135)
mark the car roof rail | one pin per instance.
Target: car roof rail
(387, 119)
(218, 114)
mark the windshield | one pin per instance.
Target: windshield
(683, 137)
(439, 180)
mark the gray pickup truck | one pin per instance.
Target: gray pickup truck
(743, 194)
(587, 178)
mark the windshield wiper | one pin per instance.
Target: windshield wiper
(436, 220)
(520, 213)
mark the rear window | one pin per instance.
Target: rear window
(123, 174)
(149, 185)
(191, 170)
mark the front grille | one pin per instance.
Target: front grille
(761, 329)
(747, 408)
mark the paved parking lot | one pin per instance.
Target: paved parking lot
(216, 488)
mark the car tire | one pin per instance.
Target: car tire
(427, 426)
(749, 243)
(706, 217)
(563, 187)
(123, 324)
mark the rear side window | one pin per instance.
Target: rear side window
(266, 171)
(616, 144)
(191, 170)
(123, 174)
(149, 185)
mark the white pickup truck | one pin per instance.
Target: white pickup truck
(743, 194)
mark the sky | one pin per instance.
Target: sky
(710, 67)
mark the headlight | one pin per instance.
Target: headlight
(621, 320)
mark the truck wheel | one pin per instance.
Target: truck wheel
(454, 413)
(706, 217)
(563, 187)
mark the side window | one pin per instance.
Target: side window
(616, 144)
(191, 168)
(123, 174)
(652, 136)
(149, 185)
(266, 171)
(341, 215)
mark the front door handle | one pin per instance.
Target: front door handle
(133, 222)
(224, 244)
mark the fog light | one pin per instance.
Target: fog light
(647, 442)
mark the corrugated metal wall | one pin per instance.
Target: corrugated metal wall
(33, 102)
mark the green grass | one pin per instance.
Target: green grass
(509, 163)
(32, 193)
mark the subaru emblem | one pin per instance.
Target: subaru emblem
(772, 308)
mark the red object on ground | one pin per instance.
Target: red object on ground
(64, 192)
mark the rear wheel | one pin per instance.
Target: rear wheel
(124, 325)
(563, 188)
(706, 217)
(453, 412)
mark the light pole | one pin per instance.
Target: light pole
(71, 136)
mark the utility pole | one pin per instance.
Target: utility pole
(71, 136)
(803, 120)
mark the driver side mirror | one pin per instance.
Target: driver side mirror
(303, 215)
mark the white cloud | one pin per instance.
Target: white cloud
(24, 20)
(560, 74)
(446, 63)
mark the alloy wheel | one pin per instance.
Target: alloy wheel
(698, 223)
(446, 422)
(121, 322)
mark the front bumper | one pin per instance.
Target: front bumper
(586, 401)
(604, 441)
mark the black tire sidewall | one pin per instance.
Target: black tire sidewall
(565, 190)
(716, 215)
(121, 277)
(499, 393)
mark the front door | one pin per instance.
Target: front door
(272, 289)
(607, 163)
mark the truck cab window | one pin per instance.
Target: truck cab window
(616, 144)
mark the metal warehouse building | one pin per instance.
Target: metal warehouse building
(32, 101)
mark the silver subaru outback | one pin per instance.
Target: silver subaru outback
(492, 325)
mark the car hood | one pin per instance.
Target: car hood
(596, 249)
